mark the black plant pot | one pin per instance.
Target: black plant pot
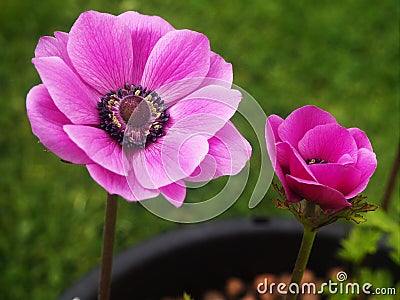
(200, 257)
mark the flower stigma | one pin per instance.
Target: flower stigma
(133, 116)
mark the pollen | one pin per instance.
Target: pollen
(116, 122)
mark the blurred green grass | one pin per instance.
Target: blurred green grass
(340, 55)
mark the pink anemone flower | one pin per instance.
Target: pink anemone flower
(319, 160)
(110, 71)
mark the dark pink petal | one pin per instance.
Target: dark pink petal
(205, 111)
(361, 138)
(169, 160)
(145, 32)
(343, 178)
(366, 164)
(98, 145)
(69, 93)
(346, 159)
(328, 142)
(117, 184)
(274, 122)
(175, 193)
(302, 120)
(284, 156)
(178, 55)
(229, 152)
(100, 48)
(54, 46)
(327, 198)
(290, 159)
(47, 124)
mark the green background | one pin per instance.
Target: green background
(342, 56)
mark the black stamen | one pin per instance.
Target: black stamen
(116, 108)
(313, 161)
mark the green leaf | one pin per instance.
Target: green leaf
(381, 279)
(382, 221)
(186, 296)
(394, 242)
(361, 241)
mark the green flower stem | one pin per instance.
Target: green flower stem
(108, 247)
(310, 209)
(302, 259)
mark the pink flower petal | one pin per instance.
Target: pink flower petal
(288, 158)
(145, 32)
(169, 160)
(178, 55)
(274, 122)
(343, 178)
(220, 72)
(346, 159)
(206, 171)
(327, 198)
(54, 46)
(361, 138)
(48, 46)
(69, 93)
(47, 124)
(271, 136)
(98, 145)
(328, 142)
(366, 164)
(229, 152)
(205, 111)
(100, 48)
(302, 120)
(175, 193)
(285, 156)
(117, 184)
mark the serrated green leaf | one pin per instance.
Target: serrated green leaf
(357, 218)
(356, 246)
(382, 220)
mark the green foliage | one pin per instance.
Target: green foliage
(360, 242)
(339, 55)
(187, 296)
(364, 240)
(379, 279)
(379, 223)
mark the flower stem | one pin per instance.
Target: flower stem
(108, 247)
(302, 259)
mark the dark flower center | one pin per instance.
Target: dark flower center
(133, 116)
(315, 161)
(128, 105)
